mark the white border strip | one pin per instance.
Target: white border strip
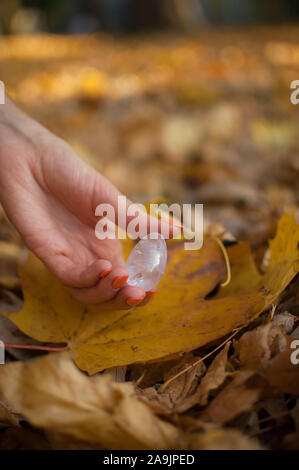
(2, 93)
(2, 352)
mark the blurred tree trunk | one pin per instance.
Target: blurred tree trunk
(146, 14)
(187, 14)
(8, 9)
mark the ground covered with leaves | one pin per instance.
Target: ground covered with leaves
(204, 119)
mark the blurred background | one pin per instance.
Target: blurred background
(184, 100)
(129, 16)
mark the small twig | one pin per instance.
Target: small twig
(140, 378)
(280, 415)
(261, 431)
(273, 311)
(165, 385)
(34, 347)
(227, 262)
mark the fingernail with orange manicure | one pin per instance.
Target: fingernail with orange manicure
(150, 293)
(170, 222)
(119, 282)
(105, 273)
(133, 302)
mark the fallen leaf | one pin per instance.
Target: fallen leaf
(224, 439)
(295, 415)
(52, 394)
(286, 320)
(7, 417)
(150, 373)
(159, 403)
(291, 442)
(77, 411)
(180, 387)
(281, 373)
(235, 398)
(284, 259)
(23, 439)
(10, 256)
(177, 319)
(214, 377)
(10, 333)
(63, 442)
(183, 385)
(256, 347)
(229, 192)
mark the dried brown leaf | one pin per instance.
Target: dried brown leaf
(214, 377)
(281, 374)
(235, 398)
(224, 439)
(7, 417)
(23, 439)
(54, 395)
(183, 385)
(179, 389)
(160, 403)
(256, 347)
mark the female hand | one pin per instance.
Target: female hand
(50, 196)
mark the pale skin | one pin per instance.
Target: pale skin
(50, 195)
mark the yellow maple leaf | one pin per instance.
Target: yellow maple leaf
(178, 319)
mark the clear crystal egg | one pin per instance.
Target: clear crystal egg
(147, 261)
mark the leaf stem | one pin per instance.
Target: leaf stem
(227, 262)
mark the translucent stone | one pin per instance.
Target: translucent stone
(147, 261)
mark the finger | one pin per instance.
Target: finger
(73, 275)
(148, 297)
(105, 289)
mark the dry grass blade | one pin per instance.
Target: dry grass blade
(167, 383)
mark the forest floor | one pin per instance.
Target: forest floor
(187, 119)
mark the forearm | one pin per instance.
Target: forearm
(18, 141)
(11, 116)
